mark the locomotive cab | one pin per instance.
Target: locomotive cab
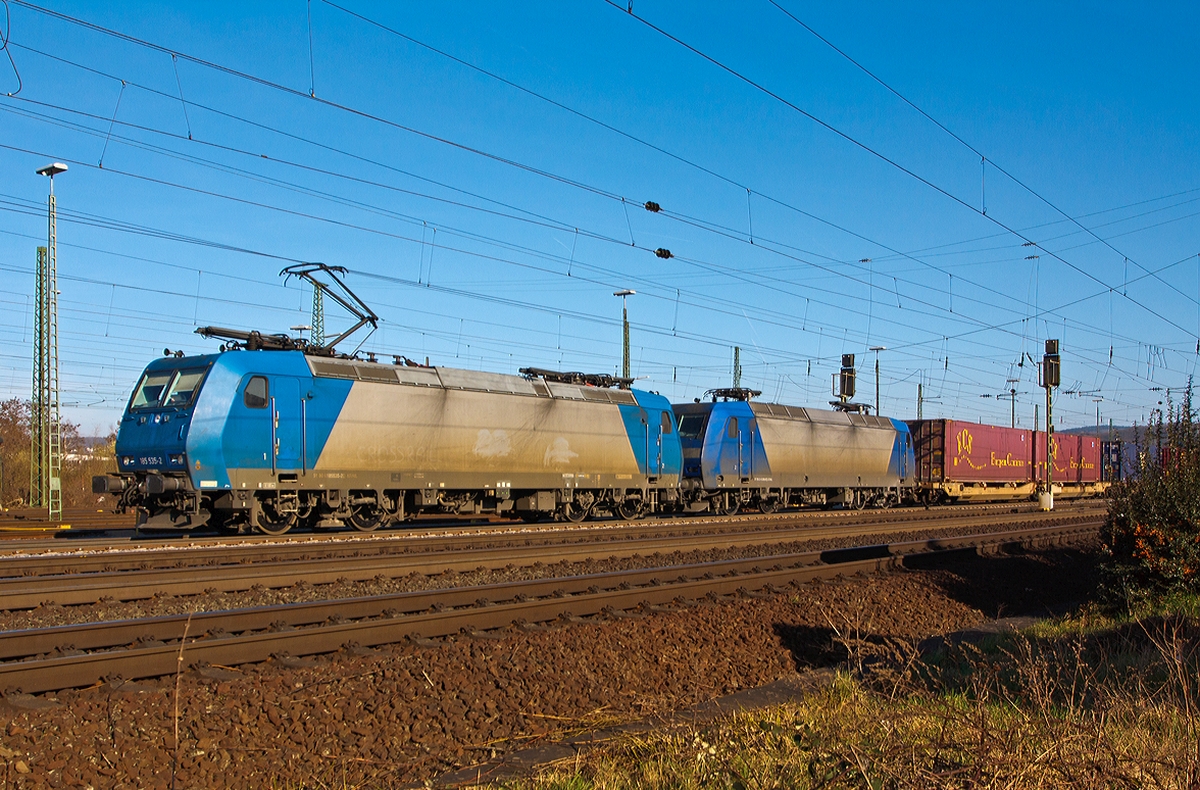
(152, 456)
(724, 464)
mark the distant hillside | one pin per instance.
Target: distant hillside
(1125, 433)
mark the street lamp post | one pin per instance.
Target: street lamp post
(45, 434)
(624, 293)
(877, 349)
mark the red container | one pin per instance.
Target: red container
(951, 451)
(1089, 459)
(1076, 458)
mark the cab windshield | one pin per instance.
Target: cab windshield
(691, 426)
(174, 388)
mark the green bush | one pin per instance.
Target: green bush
(1151, 538)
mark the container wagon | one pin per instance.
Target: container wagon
(957, 460)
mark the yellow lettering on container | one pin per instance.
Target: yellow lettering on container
(1007, 461)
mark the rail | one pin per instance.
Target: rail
(88, 579)
(56, 658)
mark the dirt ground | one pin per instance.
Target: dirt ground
(407, 713)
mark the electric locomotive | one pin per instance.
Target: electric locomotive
(273, 437)
(739, 452)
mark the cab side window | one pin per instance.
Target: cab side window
(255, 396)
(667, 426)
(732, 430)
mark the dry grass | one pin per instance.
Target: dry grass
(1085, 703)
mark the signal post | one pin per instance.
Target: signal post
(1051, 375)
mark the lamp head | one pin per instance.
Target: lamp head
(624, 292)
(52, 169)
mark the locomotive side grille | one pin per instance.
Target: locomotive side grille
(421, 377)
(332, 369)
(377, 373)
(564, 390)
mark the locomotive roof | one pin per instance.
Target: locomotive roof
(457, 378)
(821, 415)
(794, 413)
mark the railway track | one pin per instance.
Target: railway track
(83, 527)
(47, 659)
(83, 578)
(18, 523)
(79, 551)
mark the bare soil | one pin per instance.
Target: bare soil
(408, 713)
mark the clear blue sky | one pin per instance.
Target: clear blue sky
(489, 227)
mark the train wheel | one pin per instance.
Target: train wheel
(629, 509)
(729, 504)
(366, 518)
(272, 523)
(574, 512)
(768, 505)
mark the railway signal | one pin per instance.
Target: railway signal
(877, 349)
(1051, 376)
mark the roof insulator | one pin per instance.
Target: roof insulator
(663, 253)
(652, 206)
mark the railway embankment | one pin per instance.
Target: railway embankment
(414, 710)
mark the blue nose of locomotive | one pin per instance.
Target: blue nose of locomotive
(153, 432)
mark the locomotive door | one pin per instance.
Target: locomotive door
(286, 428)
(737, 450)
(662, 428)
(646, 466)
(654, 441)
(746, 449)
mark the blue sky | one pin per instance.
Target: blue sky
(489, 227)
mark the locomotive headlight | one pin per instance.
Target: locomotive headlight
(178, 459)
(127, 461)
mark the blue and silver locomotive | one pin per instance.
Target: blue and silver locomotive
(768, 455)
(267, 439)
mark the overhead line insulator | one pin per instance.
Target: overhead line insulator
(652, 206)
(663, 253)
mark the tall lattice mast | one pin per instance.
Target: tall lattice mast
(45, 430)
(317, 334)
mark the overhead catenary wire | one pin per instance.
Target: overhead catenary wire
(256, 79)
(572, 182)
(639, 140)
(776, 281)
(888, 160)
